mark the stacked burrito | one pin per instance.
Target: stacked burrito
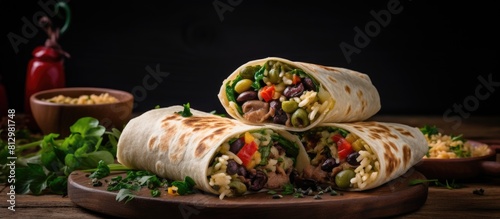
(327, 108)
(290, 122)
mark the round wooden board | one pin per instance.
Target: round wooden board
(393, 198)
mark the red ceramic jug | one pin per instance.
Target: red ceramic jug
(45, 71)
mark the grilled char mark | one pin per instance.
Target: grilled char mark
(406, 154)
(404, 132)
(392, 160)
(206, 128)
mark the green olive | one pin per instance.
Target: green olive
(299, 118)
(243, 85)
(238, 187)
(343, 178)
(248, 72)
(274, 75)
(289, 106)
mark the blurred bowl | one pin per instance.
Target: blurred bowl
(461, 168)
(58, 117)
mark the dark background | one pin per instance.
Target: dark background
(428, 57)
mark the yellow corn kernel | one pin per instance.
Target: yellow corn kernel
(256, 158)
(358, 144)
(350, 137)
(172, 190)
(248, 137)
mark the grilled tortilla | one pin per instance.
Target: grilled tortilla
(222, 155)
(361, 155)
(297, 95)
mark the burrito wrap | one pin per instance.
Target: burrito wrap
(397, 147)
(172, 146)
(355, 97)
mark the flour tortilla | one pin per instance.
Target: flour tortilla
(355, 96)
(165, 143)
(397, 147)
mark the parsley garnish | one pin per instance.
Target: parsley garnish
(137, 179)
(446, 184)
(48, 166)
(186, 112)
(185, 187)
(133, 182)
(101, 171)
(429, 130)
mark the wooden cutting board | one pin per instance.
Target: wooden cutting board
(393, 198)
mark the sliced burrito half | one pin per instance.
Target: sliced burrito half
(222, 155)
(297, 95)
(361, 155)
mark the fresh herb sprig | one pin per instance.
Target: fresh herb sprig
(316, 193)
(436, 182)
(47, 168)
(186, 112)
(429, 130)
(135, 180)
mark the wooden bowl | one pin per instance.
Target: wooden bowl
(58, 117)
(461, 168)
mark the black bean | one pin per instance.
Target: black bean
(294, 91)
(276, 104)
(258, 181)
(329, 164)
(280, 117)
(232, 167)
(246, 96)
(308, 83)
(237, 145)
(242, 171)
(351, 159)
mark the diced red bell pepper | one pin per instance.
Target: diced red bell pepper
(336, 137)
(267, 93)
(246, 152)
(343, 146)
(295, 79)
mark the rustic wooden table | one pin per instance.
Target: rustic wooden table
(440, 203)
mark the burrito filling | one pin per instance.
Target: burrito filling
(278, 93)
(251, 162)
(338, 158)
